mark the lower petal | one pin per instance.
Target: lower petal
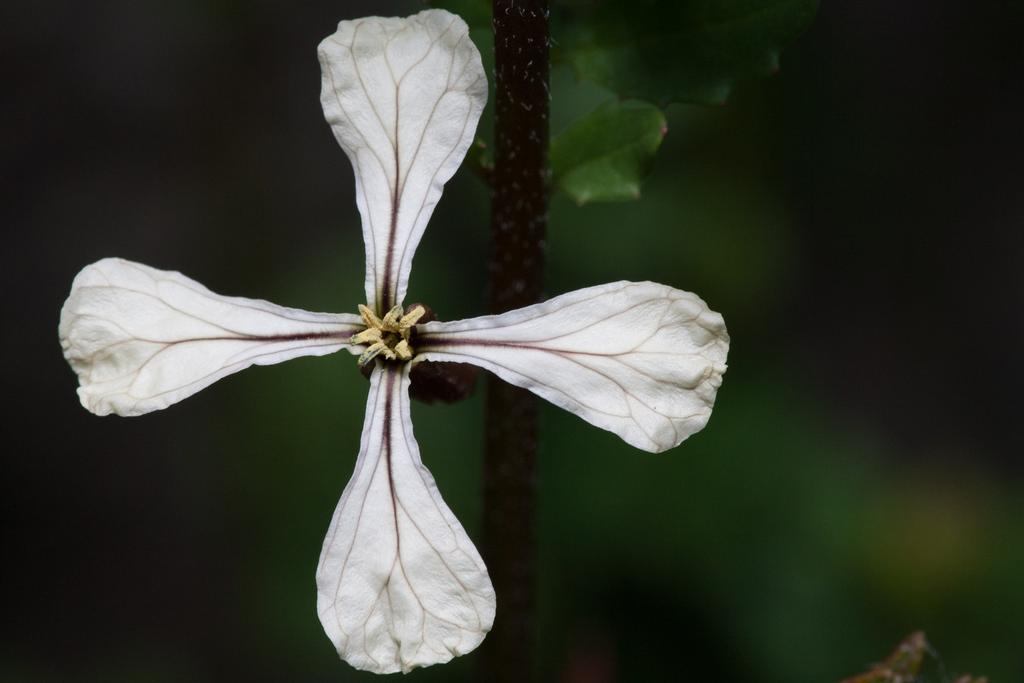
(399, 584)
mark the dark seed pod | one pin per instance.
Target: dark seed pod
(442, 381)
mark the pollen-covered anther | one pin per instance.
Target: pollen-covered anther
(388, 336)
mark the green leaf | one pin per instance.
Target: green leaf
(605, 155)
(681, 51)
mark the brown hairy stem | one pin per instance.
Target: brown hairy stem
(519, 212)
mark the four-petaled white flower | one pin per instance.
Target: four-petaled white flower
(399, 582)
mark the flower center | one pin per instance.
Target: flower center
(387, 336)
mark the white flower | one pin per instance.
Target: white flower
(400, 584)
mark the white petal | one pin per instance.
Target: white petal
(399, 584)
(403, 97)
(141, 339)
(639, 359)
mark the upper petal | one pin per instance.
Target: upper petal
(639, 359)
(399, 584)
(141, 339)
(403, 97)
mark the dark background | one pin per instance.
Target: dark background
(857, 219)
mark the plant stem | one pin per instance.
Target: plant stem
(519, 212)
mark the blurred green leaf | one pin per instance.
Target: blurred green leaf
(605, 155)
(684, 51)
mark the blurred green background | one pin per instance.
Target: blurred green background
(857, 219)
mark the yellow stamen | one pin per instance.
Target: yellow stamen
(373, 351)
(412, 317)
(367, 336)
(390, 322)
(389, 336)
(403, 350)
(370, 318)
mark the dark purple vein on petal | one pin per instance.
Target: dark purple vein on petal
(387, 295)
